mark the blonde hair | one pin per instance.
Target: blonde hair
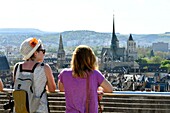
(83, 61)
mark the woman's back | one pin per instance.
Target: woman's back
(75, 91)
(83, 73)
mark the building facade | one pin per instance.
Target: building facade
(160, 46)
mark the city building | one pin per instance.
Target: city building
(4, 66)
(5, 72)
(160, 46)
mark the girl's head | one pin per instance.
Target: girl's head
(83, 61)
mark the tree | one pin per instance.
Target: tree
(143, 52)
(165, 62)
(143, 61)
(156, 60)
(166, 66)
(152, 53)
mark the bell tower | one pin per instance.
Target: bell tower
(60, 54)
(131, 49)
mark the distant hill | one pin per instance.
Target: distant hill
(14, 36)
(19, 30)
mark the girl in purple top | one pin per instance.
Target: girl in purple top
(73, 81)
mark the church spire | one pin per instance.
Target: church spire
(114, 41)
(61, 43)
(130, 37)
(113, 33)
(60, 54)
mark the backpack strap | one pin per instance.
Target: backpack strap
(15, 70)
(34, 67)
(42, 64)
(43, 92)
(21, 70)
(14, 74)
(32, 71)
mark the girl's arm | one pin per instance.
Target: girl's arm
(51, 86)
(1, 85)
(60, 86)
(107, 87)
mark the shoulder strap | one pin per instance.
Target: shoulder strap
(42, 64)
(34, 67)
(87, 94)
(14, 74)
(21, 70)
(15, 70)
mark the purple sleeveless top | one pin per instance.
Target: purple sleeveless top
(75, 91)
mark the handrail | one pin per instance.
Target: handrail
(137, 93)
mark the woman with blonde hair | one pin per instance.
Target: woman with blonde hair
(81, 82)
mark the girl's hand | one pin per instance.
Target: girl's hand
(100, 93)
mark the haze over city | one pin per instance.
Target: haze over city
(131, 16)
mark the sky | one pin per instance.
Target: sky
(130, 16)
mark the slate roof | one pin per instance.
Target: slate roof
(4, 65)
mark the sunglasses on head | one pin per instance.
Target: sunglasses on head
(43, 50)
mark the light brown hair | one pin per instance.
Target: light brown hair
(83, 61)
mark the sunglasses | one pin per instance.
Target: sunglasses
(43, 50)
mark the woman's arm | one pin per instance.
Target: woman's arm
(60, 86)
(1, 85)
(51, 86)
(107, 87)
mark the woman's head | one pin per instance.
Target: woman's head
(83, 60)
(30, 46)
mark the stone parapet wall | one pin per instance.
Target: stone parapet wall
(116, 102)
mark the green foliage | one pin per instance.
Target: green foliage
(155, 60)
(143, 52)
(165, 62)
(166, 66)
(146, 67)
(143, 61)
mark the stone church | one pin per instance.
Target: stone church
(118, 56)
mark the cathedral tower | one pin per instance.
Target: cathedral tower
(60, 54)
